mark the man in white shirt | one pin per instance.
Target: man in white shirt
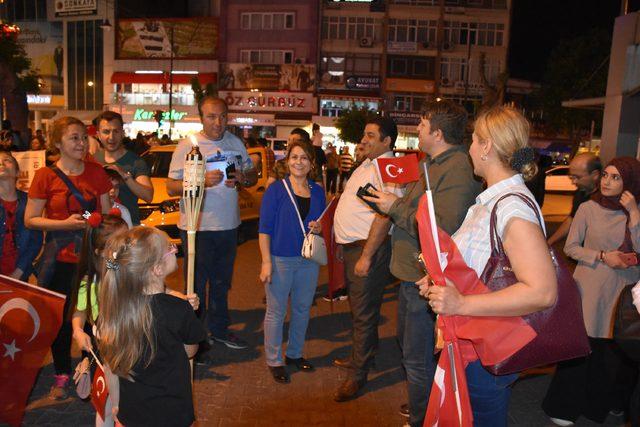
(216, 240)
(366, 253)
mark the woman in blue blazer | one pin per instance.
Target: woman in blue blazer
(285, 273)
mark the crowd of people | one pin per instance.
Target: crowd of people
(81, 215)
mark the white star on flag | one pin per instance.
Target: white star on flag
(11, 350)
(400, 170)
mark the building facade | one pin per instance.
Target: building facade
(395, 56)
(268, 64)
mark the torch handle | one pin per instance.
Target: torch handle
(191, 259)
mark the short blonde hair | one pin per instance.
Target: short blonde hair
(509, 132)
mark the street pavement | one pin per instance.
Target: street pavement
(236, 388)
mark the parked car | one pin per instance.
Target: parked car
(163, 211)
(279, 147)
(557, 179)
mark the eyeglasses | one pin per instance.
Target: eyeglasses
(171, 250)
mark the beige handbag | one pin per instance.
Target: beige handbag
(313, 246)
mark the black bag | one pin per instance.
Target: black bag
(626, 326)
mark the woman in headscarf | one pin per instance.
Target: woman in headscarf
(605, 240)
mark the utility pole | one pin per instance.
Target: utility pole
(171, 83)
(439, 44)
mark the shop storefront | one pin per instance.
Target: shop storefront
(141, 118)
(270, 114)
(138, 95)
(407, 128)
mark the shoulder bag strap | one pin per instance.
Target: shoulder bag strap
(74, 190)
(295, 205)
(496, 242)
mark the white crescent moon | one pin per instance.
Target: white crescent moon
(22, 304)
(388, 170)
(99, 381)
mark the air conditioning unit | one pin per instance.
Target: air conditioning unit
(427, 45)
(447, 46)
(445, 82)
(366, 42)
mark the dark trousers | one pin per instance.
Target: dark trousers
(591, 386)
(365, 300)
(63, 275)
(332, 180)
(416, 338)
(215, 255)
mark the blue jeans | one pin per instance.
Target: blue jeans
(296, 277)
(489, 395)
(416, 338)
(215, 254)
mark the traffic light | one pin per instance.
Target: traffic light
(158, 116)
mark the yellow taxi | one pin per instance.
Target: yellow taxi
(164, 210)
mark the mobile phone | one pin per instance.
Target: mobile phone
(630, 259)
(365, 191)
(231, 170)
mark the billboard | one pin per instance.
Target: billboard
(42, 42)
(291, 77)
(193, 38)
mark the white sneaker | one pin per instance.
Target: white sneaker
(561, 422)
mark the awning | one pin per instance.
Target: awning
(161, 78)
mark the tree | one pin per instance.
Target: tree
(351, 123)
(493, 95)
(199, 92)
(577, 68)
(17, 78)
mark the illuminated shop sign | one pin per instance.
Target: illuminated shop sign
(270, 101)
(147, 115)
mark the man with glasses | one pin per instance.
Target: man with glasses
(584, 172)
(133, 170)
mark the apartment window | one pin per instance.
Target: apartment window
(490, 34)
(24, 10)
(412, 30)
(84, 73)
(265, 56)
(492, 68)
(349, 27)
(411, 66)
(453, 69)
(480, 34)
(268, 21)
(408, 101)
(360, 65)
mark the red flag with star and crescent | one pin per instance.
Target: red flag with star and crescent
(466, 338)
(30, 317)
(99, 391)
(335, 265)
(399, 170)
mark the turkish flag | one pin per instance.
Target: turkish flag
(99, 391)
(335, 266)
(30, 318)
(467, 338)
(399, 170)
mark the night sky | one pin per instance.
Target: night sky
(537, 26)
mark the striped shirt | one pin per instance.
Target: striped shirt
(473, 239)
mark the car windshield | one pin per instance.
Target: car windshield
(158, 162)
